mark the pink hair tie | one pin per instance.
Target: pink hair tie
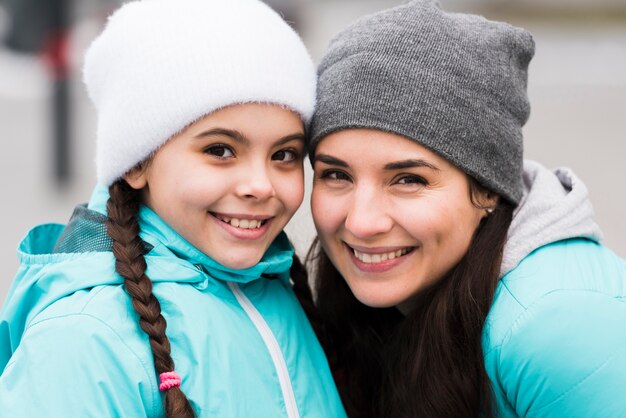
(169, 380)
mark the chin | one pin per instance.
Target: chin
(240, 263)
(375, 299)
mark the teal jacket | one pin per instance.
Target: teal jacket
(555, 338)
(71, 346)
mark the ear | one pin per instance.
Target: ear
(137, 177)
(485, 200)
(491, 200)
(488, 201)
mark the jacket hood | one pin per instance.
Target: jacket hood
(58, 260)
(555, 206)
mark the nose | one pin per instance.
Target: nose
(255, 183)
(368, 215)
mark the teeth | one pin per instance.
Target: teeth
(242, 223)
(377, 258)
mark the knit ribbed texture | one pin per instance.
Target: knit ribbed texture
(160, 65)
(455, 83)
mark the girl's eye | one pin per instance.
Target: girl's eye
(334, 175)
(285, 155)
(220, 151)
(412, 179)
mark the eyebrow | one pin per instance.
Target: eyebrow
(412, 163)
(396, 165)
(242, 139)
(231, 133)
(327, 159)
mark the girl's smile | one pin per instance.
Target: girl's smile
(244, 226)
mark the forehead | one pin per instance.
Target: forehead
(254, 119)
(375, 147)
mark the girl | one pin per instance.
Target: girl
(453, 280)
(173, 283)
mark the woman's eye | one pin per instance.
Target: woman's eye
(334, 175)
(412, 179)
(285, 155)
(220, 151)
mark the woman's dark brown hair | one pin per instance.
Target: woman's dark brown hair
(429, 363)
(130, 263)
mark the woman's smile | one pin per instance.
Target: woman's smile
(379, 259)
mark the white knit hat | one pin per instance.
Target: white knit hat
(160, 65)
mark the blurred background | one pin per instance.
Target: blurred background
(577, 87)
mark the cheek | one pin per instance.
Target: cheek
(172, 178)
(421, 219)
(187, 197)
(197, 190)
(295, 197)
(290, 189)
(440, 224)
(466, 219)
(326, 211)
(451, 230)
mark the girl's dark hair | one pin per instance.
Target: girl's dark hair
(429, 363)
(123, 228)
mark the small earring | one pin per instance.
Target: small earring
(489, 211)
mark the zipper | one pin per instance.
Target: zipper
(272, 345)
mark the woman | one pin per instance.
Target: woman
(453, 279)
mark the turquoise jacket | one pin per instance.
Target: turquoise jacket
(71, 346)
(555, 338)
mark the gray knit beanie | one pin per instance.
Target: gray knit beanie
(455, 83)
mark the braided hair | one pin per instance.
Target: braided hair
(130, 263)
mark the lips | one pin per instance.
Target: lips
(379, 255)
